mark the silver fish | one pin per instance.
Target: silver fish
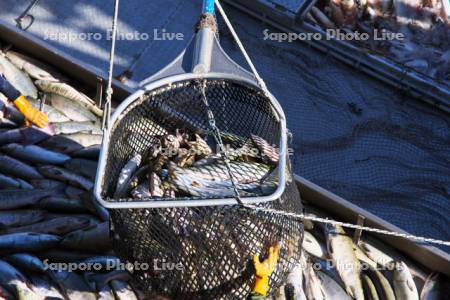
(26, 262)
(73, 285)
(369, 288)
(16, 282)
(27, 242)
(17, 78)
(63, 256)
(341, 249)
(84, 139)
(90, 239)
(7, 124)
(106, 293)
(84, 167)
(122, 290)
(33, 67)
(48, 184)
(280, 294)
(14, 218)
(28, 135)
(91, 152)
(313, 285)
(200, 147)
(313, 246)
(101, 280)
(126, 174)
(72, 110)
(57, 226)
(142, 191)
(16, 168)
(76, 127)
(11, 113)
(106, 261)
(295, 280)
(322, 18)
(45, 287)
(35, 154)
(404, 285)
(376, 254)
(363, 258)
(54, 115)
(58, 173)
(155, 186)
(24, 185)
(74, 193)
(384, 289)
(267, 151)
(7, 182)
(213, 180)
(69, 92)
(62, 204)
(432, 288)
(332, 289)
(61, 144)
(171, 145)
(10, 199)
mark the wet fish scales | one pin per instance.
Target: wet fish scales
(35, 154)
(26, 262)
(84, 167)
(27, 242)
(11, 199)
(61, 204)
(16, 168)
(53, 172)
(28, 135)
(57, 226)
(15, 218)
(90, 239)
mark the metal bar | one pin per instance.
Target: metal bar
(358, 232)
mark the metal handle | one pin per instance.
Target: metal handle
(204, 40)
(208, 7)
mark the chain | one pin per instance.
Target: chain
(218, 137)
(348, 225)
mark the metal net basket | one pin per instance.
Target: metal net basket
(198, 252)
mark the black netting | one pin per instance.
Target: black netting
(214, 245)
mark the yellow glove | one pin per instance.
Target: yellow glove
(33, 115)
(264, 269)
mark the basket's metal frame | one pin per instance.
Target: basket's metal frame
(204, 47)
(152, 203)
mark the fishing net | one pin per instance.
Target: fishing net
(212, 245)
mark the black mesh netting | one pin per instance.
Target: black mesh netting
(213, 245)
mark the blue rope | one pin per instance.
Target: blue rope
(208, 7)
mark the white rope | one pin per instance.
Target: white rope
(303, 216)
(109, 91)
(260, 81)
(348, 225)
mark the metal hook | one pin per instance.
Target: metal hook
(26, 15)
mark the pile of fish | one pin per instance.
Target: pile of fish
(423, 24)
(47, 214)
(184, 164)
(334, 267)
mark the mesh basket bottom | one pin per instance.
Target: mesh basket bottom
(205, 252)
